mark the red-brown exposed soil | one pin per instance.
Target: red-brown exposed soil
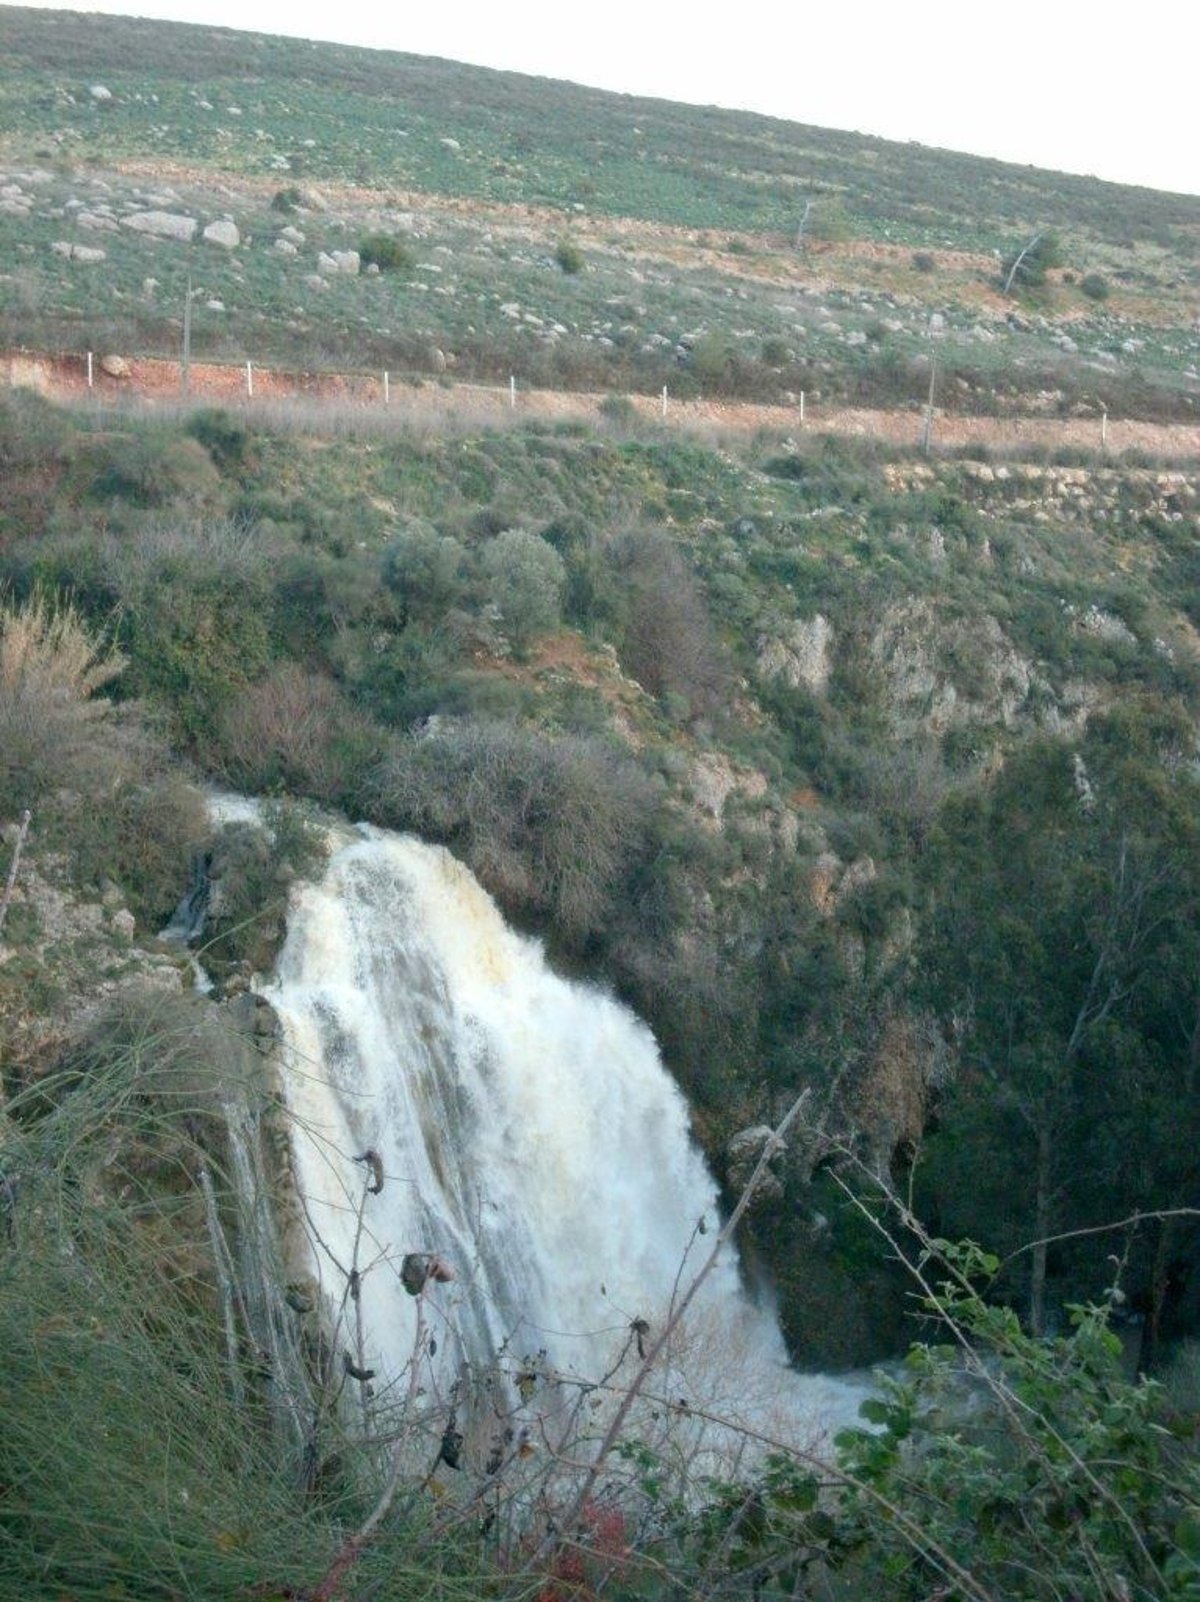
(155, 381)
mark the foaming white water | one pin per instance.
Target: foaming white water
(528, 1135)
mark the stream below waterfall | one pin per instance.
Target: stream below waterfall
(457, 1104)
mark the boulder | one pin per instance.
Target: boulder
(161, 225)
(115, 366)
(803, 656)
(223, 232)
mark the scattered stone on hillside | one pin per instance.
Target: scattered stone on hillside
(214, 305)
(437, 360)
(14, 202)
(161, 225)
(315, 281)
(284, 247)
(292, 234)
(801, 656)
(313, 199)
(88, 255)
(223, 232)
(98, 222)
(339, 262)
(115, 366)
(942, 673)
(714, 778)
(82, 952)
(450, 144)
(1106, 626)
(100, 93)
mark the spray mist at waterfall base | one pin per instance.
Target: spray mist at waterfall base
(469, 1126)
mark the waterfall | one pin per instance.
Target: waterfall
(450, 1095)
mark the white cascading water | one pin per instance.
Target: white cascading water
(528, 1136)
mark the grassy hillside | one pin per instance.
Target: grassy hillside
(680, 226)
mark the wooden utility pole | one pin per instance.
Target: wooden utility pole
(185, 367)
(928, 430)
(800, 241)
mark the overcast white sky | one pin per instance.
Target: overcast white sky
(1079, 85)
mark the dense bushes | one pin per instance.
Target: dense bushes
(553, 825)
(667, 641)
(293, 731)
(95, 775)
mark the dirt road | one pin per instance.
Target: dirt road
(156, 382)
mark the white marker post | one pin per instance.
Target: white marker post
(387, 389)
(250, 380)
(801, 408)
(89, 369)
(512, 392)
(664, 400)
(1104, 428)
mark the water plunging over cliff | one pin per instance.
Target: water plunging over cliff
(524, 1131)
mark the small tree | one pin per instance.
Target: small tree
(569, 257)
(385, 251)
(424, 568)
(1027, 268)
(524, 579)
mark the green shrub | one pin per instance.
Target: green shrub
(1094, 286)
(253, 867)
(425, 570)
(619, 409)
(154, 467)
(523, 578)
(288, 199)
(386, 251)
(711, 359)
(923, 262)
(224, 436)
(569, 256)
